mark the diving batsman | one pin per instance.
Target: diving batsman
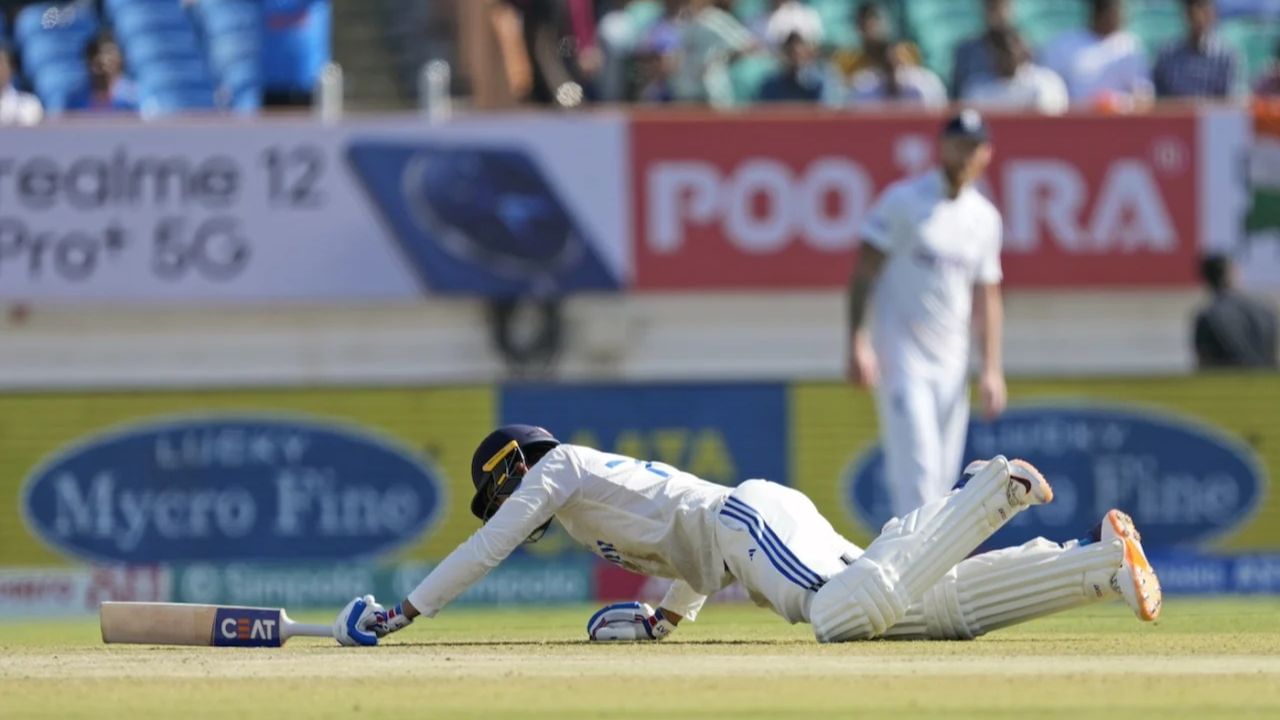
(917, 580)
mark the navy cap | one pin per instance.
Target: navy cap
(967, 124)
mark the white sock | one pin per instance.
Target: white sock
(1010, 586)
(912, 555)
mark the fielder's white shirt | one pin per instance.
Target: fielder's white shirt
(649, 518)
(936, 249)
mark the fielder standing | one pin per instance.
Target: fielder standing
(930, 263)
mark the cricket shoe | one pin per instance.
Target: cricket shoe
(1027, 485)
(1136, 580)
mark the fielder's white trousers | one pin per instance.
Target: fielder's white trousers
(924, 418)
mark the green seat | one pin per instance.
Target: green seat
(644, 14)
(1255, 40)
(748, 74)
(839, 23)
(939, 26)
(748, 11)
(1157, 23)
(1039, 21)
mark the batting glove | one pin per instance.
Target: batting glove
(354, 622)
(390, 620)
(628, 621)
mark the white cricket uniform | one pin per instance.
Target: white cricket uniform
(656, 520)
(936, 250)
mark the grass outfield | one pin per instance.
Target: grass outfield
(1203, 659)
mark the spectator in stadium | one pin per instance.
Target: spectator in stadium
(16, 107)
(620, 33)
(788, 17)
(873, 35)
(552, 51)
(1017, 82)
(1269, 83)
(711, 40)
(1103, 65)
(109, 89)
(1199, 66)
(893, 79)
(973, 57)
(1233, 329)
(800, 78)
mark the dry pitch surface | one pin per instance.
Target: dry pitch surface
(1203, 659)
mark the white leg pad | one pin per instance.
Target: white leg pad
(911, 556)
(858, 604)
(1010, 586)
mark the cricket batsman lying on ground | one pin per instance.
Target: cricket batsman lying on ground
(916, 580)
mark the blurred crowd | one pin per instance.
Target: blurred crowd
(156, 57)
(868, 54)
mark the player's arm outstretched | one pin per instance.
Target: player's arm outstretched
(363, 621)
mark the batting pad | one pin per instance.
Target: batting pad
(911, 556)
(1010, 586)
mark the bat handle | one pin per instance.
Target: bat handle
(310, 630)
(296, 629)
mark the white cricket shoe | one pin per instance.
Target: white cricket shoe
(1136, 579)
(1027, 485)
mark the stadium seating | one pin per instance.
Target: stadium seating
(233, 34)
(51, 41)
(1157, 23)
(295, 43)
(838, 23)
(1255, 40)
(61, 85)
(1040, 20)
(749, 74)
(939, 26)
(163, 53)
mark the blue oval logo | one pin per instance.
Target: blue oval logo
(1184, 482)
(230, 487)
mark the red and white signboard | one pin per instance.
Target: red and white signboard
(775, 201)
(74, 591)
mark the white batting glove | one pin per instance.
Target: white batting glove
(354, 624)
(628, 621)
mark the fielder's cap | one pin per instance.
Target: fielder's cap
(967, 124)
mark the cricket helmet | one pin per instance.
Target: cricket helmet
(493, 466)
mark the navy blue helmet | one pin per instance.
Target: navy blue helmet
(493, 467)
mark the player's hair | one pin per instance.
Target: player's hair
(868, 10)
(1097, 7)
(95, 44)
(1215, 269)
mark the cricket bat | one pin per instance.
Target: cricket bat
(185, 624)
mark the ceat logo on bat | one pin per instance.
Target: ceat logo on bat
(246, 627)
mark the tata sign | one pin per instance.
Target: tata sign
(1183, 482)
(231, 487)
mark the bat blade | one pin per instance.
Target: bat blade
(189, 624)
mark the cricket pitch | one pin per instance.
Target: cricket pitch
(1205, 658)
